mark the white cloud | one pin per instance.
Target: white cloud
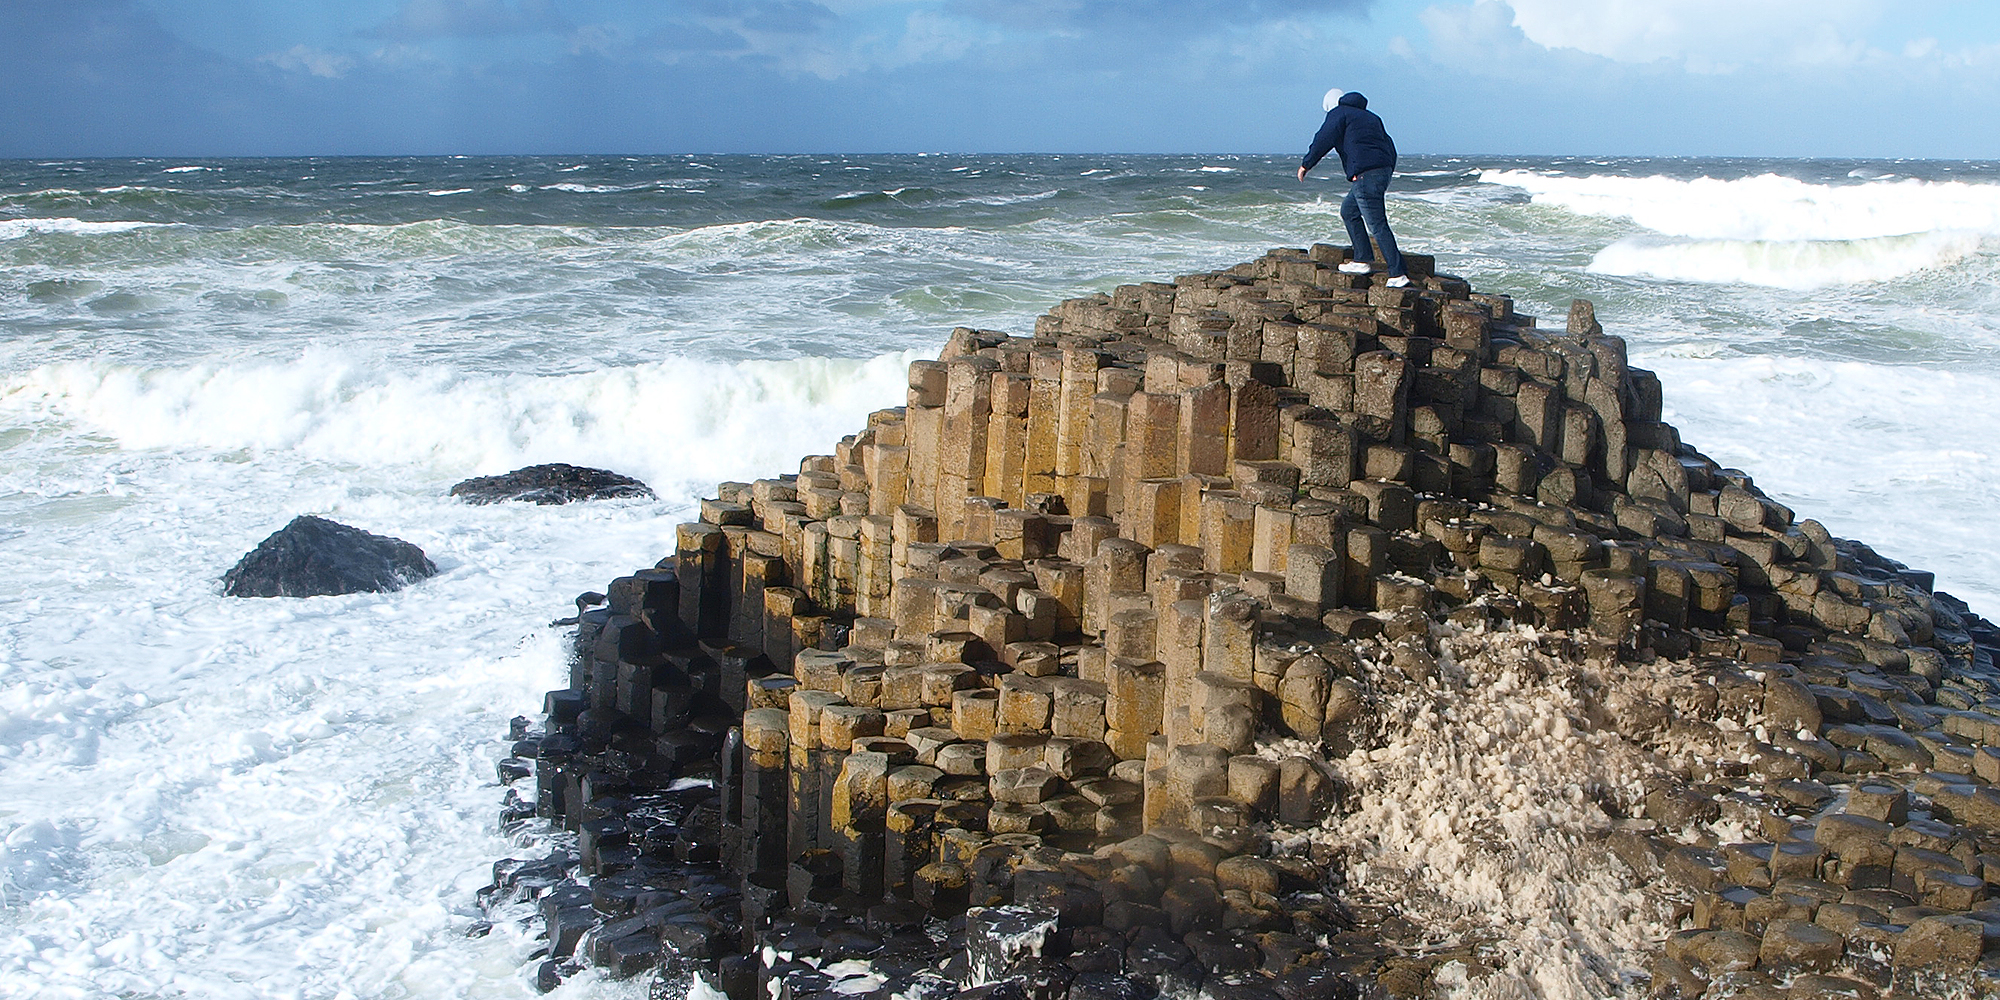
(1477, 37)
(1707, 36)
(932, 37)
(600, 39)
(300, 59)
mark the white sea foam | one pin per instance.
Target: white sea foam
(1474, 821)
(573, 188)
(1893, 455)
(669, 422)
(185, 170)
(1768, 206)
(448, 191)
(253, 798)
(11, 229)
(1795, 264)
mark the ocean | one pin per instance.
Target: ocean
(212, 797)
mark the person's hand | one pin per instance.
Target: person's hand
(1302, 173)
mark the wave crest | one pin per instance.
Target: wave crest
(670, 422)
(12, 229)
(1792, 264)
(1767, 207)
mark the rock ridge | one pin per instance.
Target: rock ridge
(1087, 672)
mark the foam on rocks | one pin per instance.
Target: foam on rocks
(315, 557)
(1269, 633)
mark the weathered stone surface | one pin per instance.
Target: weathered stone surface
(1797, 946)
(1025, 785)
(1945, 939)
(1304, 792)
(315, 557)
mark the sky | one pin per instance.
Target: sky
(1847, 78)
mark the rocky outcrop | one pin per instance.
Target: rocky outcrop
(551, 484)
(315, 557)
(1065, 678)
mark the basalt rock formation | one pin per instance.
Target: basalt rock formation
(555, 483)
(315, 557)
(1070, 677)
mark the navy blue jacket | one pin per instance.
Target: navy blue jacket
(1359, 136)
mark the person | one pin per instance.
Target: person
(1368, 158)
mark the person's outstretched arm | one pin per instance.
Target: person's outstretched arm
(1323, 141)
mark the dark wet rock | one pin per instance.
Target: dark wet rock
(1105, 986)
(1317, 983)
(1220, 952)
(1238, 987)
(1096, 951)
(551, 484)
(315, 557)
(1124, 917)
(548, 975)
(1192, 905)
(1155, 952)
(999, 940)
(626, 956)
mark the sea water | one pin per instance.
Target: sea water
(214, 797)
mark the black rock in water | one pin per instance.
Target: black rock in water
(553, 483)
(313, 557)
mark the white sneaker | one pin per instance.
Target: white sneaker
(1355, 267)
(1399, 281)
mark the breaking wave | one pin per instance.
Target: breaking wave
(12, 229)
(1774, 231)
(1794, 264)
(670, 421)
(1767, 207)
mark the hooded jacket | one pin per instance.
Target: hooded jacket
(1359, 136)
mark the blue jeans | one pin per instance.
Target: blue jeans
(1364, 202)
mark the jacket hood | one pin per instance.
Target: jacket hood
(1353, 99)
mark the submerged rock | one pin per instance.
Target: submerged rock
(314, 557)
(552, 483)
